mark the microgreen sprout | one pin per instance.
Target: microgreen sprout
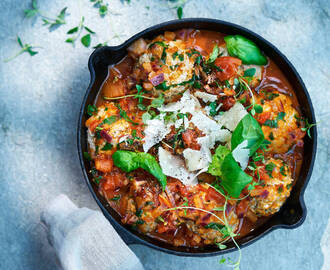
(308, 127)
(24, 48)
(255, 108)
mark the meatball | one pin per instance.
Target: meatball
(279, 121)
(268, 197)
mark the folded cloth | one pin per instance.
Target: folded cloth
(83, 239)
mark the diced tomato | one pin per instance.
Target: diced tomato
(189, 137)
(228, 67)
(263, 174)
(114, 181)
(227, 103)
(104, 164)
(262, 117)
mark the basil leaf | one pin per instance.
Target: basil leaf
(129, 161)
(145, 117)
(220, 153)
(248, 129)
(234, 179)
(245, 49)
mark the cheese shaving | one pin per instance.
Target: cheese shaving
(174, 166)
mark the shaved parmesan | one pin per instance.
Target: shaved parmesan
(174, 166)
(187, 103)
(155, 131)
(195, 159)
(90, 139)
(241, 154)
(204, 123)
(231, 118)
(205, 96)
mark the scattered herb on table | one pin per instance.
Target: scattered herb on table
(179, 12)
(103, 8)
(75, 33)
(53, 23)
(24, 48)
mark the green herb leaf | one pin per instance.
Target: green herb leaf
(248, 129)
(89, 30)
(29, 13)
(281, 116)
(91, 109)
(234, 179)
(249, 72)
(245, 49)
(215, 167)
(162, 86)
(100, 45)
(271, 123)
(214, 226)
(124, 115)
(103, 10)
(213, 108)
(115, 198)
(107, 146)
(258, 108)
(73, 30)
(269, 168)
(87, 156)
(86, 40)
(179, 12)
(214, 54)
(129, 161)
(221, 246)
(158, 102)
(145, 117)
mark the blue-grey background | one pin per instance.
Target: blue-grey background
(40, 98)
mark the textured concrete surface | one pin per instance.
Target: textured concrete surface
(40, 98)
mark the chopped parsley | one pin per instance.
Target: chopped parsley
(107, 146)
(91, 109)
(269, 168)
(115, 198)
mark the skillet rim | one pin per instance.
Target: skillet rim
(131, 237)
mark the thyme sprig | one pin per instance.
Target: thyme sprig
(103, 8)
(53, 23)
(75, 33)
(24, 48)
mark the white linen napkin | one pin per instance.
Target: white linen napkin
(83, 239)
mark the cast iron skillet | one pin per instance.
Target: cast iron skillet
(292, 213)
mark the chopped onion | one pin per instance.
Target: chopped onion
(158, 79)
(105, 135)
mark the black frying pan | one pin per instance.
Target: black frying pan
(292, 213)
